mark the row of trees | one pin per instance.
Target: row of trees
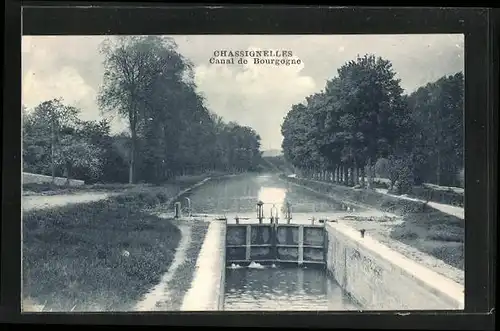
(171, 131)
(362, 118)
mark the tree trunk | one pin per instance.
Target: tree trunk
(353, 176)
(131, 170)
(363, 176)
(370, 173)
(133, 152)
(68, 173)
(52, 150)
(347, 175)
(356, 181)
(438, 170)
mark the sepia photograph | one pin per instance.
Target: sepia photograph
(242, 173)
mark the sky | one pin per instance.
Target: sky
(256, 95)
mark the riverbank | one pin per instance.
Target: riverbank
(101, 255)
(48, 189)
(428, 236)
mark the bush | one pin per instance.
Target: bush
(449, 196)
(401, 173)
(446, 235)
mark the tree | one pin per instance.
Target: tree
(437, 111)
(73, 151)
(42, 131)
(371, 98)
(136, 69)
(111, 151)
(400, 170)
(358, 117)
(363, 116)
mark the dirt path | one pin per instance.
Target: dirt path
(158, 298)
(40, 202)
(448, 209)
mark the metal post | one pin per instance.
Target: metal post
(177, 210)
(301, 245)
(274, 214)
(277, 215)
(260, 212)
(248, 243)
(288, 212)
(188, 206)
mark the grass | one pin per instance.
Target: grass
(52, 189)
(75, 257)
(434, 233)
(426, 229)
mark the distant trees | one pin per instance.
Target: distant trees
(54, 141)
(171, 131)
(363, 117)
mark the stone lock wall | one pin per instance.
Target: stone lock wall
(379, 278)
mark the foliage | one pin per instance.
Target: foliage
(437, 111)
(52, 143)
(362, 116)
(171, 131)
(400, 174)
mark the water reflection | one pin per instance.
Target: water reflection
(239, 195)
(272, 196)
(283, 289)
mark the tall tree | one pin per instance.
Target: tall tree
(43, 129)
(371, 97)
(135, 67)
(437, 111)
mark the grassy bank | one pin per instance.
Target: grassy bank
(182, 182)
(448, 195)
(101, 255)
(426, 229)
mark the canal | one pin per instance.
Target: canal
(270, 288)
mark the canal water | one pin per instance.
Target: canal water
(267, 288)
(283, 289)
